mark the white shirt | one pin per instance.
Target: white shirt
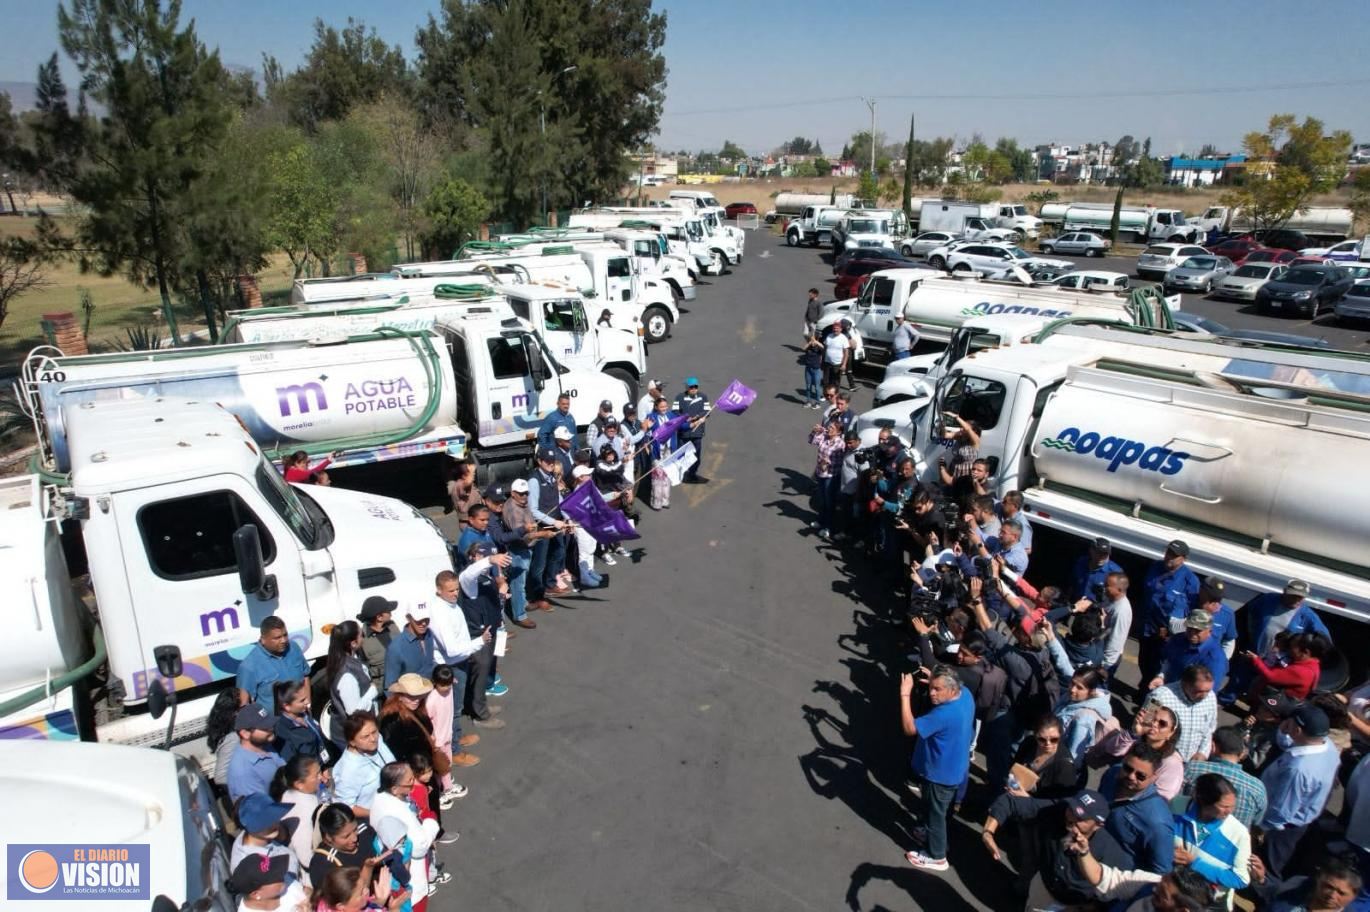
(835, 347)
(393, 821)
(1117, 620)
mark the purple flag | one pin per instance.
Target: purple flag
(664, 432)
(586, 507)
(735, 399)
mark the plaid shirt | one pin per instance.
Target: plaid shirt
(1250, 791)
(830, 451)
(1197, 720)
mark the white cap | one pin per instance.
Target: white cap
(419, 611)
(562, 433)
(520, 486)
(581, 471)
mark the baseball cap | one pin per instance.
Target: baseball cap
(520, 486)
(257, 871)
(582, 471)
(1101, 546)
(253, 718)
(1198, 619)
(899, 315)
(419, 611)
(656, 383)
(1312, 720)
(485, 549)
(611, 422)
(547, 454)
(375, 606)
(1178, 548)
(1089, 805)
(692, 381)
(496, 492)
(1212, 590)
(629, 409)
(258, 812)
(1297, 587)
(562, 433)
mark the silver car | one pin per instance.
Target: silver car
(925, 243)
(1355, 304)
(1077, 242)
(1243, 284)
(1198, 273)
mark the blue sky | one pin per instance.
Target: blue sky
(759, 72)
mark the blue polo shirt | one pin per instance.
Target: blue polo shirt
(1179, 655)
(550, 424)
(1084, 579)
(407, 653)
(1263, 609)
(1168, 594)
(1225, 625)
(942, 753)
(260, 669)
(1143, 825)
(250, 772)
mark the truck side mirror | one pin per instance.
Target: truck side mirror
(252, 575)
(537, 367)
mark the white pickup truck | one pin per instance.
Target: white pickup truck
(814, 226)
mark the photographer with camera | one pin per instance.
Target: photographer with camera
(1110, 598)
(941, 756)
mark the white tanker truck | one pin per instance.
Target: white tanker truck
(1248, 454)
(479, 383)
(191, 538)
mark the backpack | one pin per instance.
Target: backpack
(1039, 694)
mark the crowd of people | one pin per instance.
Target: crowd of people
(1227, 769)
(344, 808)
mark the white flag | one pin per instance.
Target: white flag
(676, 464)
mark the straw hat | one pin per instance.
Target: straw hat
(412, 685)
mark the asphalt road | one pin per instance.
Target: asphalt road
(718, 729)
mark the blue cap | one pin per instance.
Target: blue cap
(546, 454)
(258, 813)
(692, 381)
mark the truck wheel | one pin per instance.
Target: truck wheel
(621, 373)
(656, 322)
(937, 263)
(792, 238)
(1176, 239)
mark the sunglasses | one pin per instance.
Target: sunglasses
(1047, 739)
(421, 623)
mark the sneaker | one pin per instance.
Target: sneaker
(432, 888)
(491, 722)
(457, 790)
(497, 679)
(923, 862)
(608, 559)
(495, 710)
(444, 876)
(824, 534)
(815, 525)
(445, 801)
(497, 690)
(621, 551)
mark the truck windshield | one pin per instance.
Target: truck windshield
(289, 506)
(1019, 210)
(1019, 253)
(695, 229)
(869, 226)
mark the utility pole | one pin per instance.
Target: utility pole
(870, 103)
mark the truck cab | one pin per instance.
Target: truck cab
(814, 226)
(864, 228)
(1017, 217)
(683, 229)
(190, 537)
(648, 245)
(715, 217)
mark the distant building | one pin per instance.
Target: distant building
(1181, 171)
(650, 164)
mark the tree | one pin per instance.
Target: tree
(930, 161)
(21, 271)
(817, 148)
(454, 210)
(1125, 150)
(861, 148)
(57, 135)
(11, 153)
(1360, 197)
(302, 202)
(1208, 151)
(975, 161)
(1017, 164)
(910, 173)
(593, 66)
(165, 112)
(342, 70)
(806, 168)
(731, 151)
(1299, 159)
(1117, 219)
(822, 167)
(846, 152)
(868, 187)
(410, 157)
(799, 146)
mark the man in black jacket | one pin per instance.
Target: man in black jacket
(694, 405)
(1054, 843)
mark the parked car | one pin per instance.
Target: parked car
(1235, 249)
(1243, 284)
(1312, 261)
(1345, 252)
(1357, 271)
(1158, 259)
(994, 259)
(1078, 242)
(849, 278)
(1284, 239)
(938, 256)
(864, 253)
(1355, 304)
(1082, 281)
(926, 242)
(1198, 273)
(733, 210)
(1194, 323)
(1304, 290)
(1268, 255)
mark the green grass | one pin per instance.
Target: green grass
(119, 303)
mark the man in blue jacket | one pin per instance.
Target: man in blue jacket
(561, 417)
(1091, 570)
(1169, 590)
(1198, 646)
(1267, 616)
(695, 405)
(1139, 818)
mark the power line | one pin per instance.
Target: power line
(1037, 96)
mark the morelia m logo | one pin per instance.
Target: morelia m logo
(1118, 451)
(985, 308)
